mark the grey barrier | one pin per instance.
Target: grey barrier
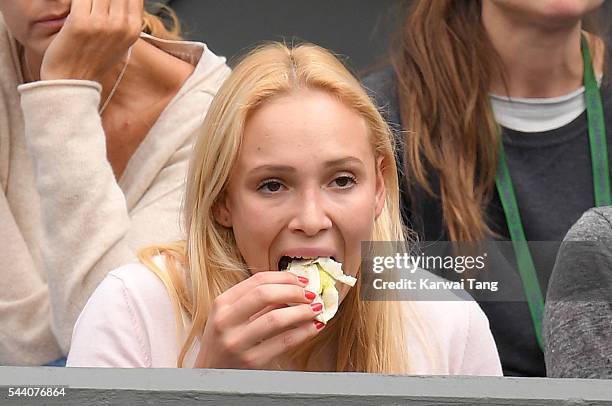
(92, 386)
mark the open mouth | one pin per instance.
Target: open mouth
(285, 260)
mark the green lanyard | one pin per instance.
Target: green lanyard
(601, 183)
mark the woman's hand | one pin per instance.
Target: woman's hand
(250, 325)
(95, 37)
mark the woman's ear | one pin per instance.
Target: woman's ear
(381, 190)
(222, 212)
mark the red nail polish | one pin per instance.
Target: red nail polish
(316, 307)
(319, 325)
(303, 280)
(309, 295)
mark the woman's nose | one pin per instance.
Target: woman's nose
(310, 215)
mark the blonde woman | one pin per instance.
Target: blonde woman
(96, 125)
(293, 160)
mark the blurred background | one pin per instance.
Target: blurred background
(356, 29)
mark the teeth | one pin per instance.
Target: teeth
(285, 260)
(300, 258)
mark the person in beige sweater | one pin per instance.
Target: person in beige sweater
(96, 125)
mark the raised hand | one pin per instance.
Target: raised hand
(95, 37)
(250, 325)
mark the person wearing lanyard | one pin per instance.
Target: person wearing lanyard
(501, 136)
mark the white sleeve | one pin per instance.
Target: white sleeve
(88, 229)
(480, 356)
(110, 332)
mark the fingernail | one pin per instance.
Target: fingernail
(316, 307)
(310, 295)
(303, 280)
(318, 324)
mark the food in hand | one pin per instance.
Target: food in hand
(322, 274)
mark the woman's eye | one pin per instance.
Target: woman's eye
(344, 182)
(270, 186)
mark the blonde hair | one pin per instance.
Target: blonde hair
(370, 335)
(154, 25)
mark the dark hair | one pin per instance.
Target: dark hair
(444, 63)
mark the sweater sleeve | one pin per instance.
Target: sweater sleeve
(578, 316)
(25, 335)
(88, 229)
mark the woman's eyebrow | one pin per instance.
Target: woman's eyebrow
(290, 169)
(343, 161)
(274, 168)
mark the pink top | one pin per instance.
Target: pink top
(132, 319)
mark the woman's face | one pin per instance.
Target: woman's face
(34, 23)
(306, 183)
(552, 13)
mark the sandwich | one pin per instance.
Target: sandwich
(322, 274)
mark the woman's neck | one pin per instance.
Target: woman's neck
(537, 61)
(150, 71)
(153, 77)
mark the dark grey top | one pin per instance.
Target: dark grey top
(552, 177)
(578, 317)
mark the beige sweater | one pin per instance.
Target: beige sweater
(65, 221)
